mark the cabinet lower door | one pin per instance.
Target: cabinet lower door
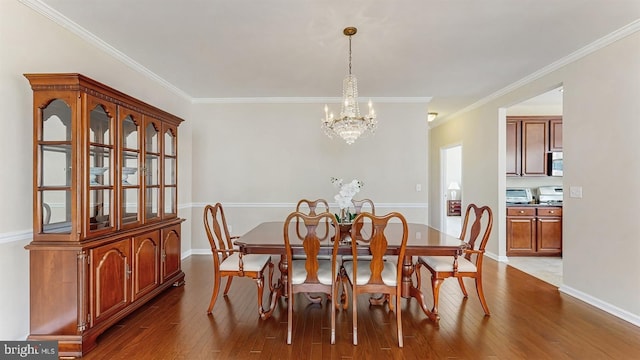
(146, 255)
(550, 235)
(521, 236)
(171, 253)
(110, 277)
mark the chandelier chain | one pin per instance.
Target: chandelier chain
(349, 54)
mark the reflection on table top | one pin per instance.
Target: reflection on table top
(268, 238)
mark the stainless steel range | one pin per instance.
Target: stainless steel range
(550, 195)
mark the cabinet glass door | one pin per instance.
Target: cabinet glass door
(170, 167)
(130, 163)
(54, 168)
(152, 171)
(100, 195)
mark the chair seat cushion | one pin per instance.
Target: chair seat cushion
(363, 257)
(299, 272)
(389, 272)
(445, 263)
(304, 257)
(252, 262)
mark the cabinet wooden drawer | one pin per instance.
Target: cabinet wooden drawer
(521, 211)
(549, 211)
(454, 208)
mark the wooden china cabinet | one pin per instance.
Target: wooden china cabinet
(106, 233)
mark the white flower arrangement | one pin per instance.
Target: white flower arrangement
(345, 195)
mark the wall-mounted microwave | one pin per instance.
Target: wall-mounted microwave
(554, 164)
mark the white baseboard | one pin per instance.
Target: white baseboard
(602, 305)
(188, 253)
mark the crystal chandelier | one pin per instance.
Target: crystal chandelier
(350, 125)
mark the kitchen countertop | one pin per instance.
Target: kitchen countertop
(534, 205)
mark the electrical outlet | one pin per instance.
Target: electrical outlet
(418, 187)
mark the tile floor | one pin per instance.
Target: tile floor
(548, 269)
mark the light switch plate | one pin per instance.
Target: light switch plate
(575, 191)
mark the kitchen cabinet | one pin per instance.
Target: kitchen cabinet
(555, 134)
(549, 231)
(528, 142)
(106, 233)
(514, 152)
(534, 231)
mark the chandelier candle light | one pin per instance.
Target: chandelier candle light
(350, 125)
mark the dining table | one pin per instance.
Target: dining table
(422, 240)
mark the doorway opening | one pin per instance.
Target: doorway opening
(451, 189)
(525, 251)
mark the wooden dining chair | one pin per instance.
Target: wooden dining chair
(311, 274)
(46, 213)
(359, 205)
(470, 265)
(314, 207)
(375, 275)
(229, 262)
(363, 205)
(366, 204)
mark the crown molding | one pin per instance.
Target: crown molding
(305, 100)
(83, 33)
(579, 54)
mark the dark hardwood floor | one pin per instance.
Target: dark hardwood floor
(530, 320)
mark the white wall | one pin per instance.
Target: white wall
(258, 160)
(600, 135)
(601, 131)
(31, 43)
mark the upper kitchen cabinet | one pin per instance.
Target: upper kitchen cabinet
(528, 142)
(555, 134)
(514, 154)
(106, 233)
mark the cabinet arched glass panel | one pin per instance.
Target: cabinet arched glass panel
(170, 166)
(100, 168)
(130, 184)
(151, 171)
(54, 175)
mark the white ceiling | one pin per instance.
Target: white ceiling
(456, 52)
